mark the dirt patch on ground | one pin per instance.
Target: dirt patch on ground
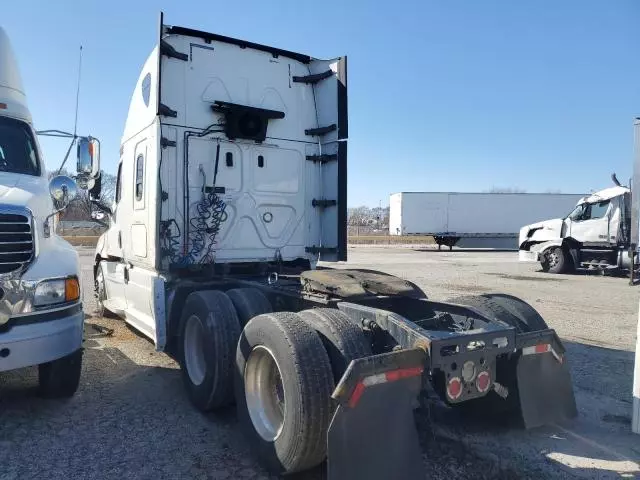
(527, 278)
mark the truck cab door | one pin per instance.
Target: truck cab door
(113, 234)
(617, 221)
(591, 226)
(114, 268)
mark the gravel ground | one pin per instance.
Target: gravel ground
(130, 417)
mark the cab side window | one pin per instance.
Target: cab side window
(119, 183)
(139, 177)
(596, 210)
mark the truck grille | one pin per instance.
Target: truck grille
(16, 241)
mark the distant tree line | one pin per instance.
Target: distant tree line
(368, 217)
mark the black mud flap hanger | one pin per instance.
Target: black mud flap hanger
(373, 435)
(544, 381)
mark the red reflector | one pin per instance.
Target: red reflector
(357, 393)
(483, 382)
(542, 348)
(403, 373)
(382, 378)
(3, 106)
(454, 388)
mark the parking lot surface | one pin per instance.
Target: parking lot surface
(131, 419)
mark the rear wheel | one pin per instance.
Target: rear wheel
(527, 317)
(342, 339)
(249, 303)
(60, 378)
(209, 332)
(283, 388)
(101, 294)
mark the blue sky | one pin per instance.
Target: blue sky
(447, 95)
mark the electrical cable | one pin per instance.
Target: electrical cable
(202, 220)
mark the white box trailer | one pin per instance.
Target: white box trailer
(489, 218)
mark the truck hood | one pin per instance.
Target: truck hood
(542, 231)
(26, 190)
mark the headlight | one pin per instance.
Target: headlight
(52, 292)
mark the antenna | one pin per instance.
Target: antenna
(74, 137)
(75, 123)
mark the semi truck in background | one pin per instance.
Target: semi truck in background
(41, 317)
(231, 188)
(596, 234)
(474, 219)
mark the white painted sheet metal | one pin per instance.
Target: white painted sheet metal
(474, 214)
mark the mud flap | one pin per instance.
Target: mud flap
(373, 433)
(544, 381)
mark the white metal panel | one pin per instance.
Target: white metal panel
(605, 194)
(269, 187)
(480, 213)
(114, 281)
(11, 89)
(139, 292)
(424, 213)
(139, 240)
(615, 213)
(504, 213)
(395, 214)
(143, 104)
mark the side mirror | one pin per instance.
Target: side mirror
(63, 190)
(88, 165)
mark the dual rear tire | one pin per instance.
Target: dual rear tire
(280, 369)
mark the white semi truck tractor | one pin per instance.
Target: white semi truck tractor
(41, 318)
(596, 235)
(231, 187)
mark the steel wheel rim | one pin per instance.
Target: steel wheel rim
(264, 393)
(553, 259)
(194, 358)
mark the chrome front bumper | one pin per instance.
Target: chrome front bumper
(34, 339)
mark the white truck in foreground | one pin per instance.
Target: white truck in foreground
(41, 317)
(477, 219)
(231, 187)
(596, 234)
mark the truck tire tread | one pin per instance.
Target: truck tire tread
(222, 330)
(249, 302)
(308, 383)
(529, 320)
(342, 339)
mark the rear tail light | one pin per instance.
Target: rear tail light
(454, 388)
(483, 382)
